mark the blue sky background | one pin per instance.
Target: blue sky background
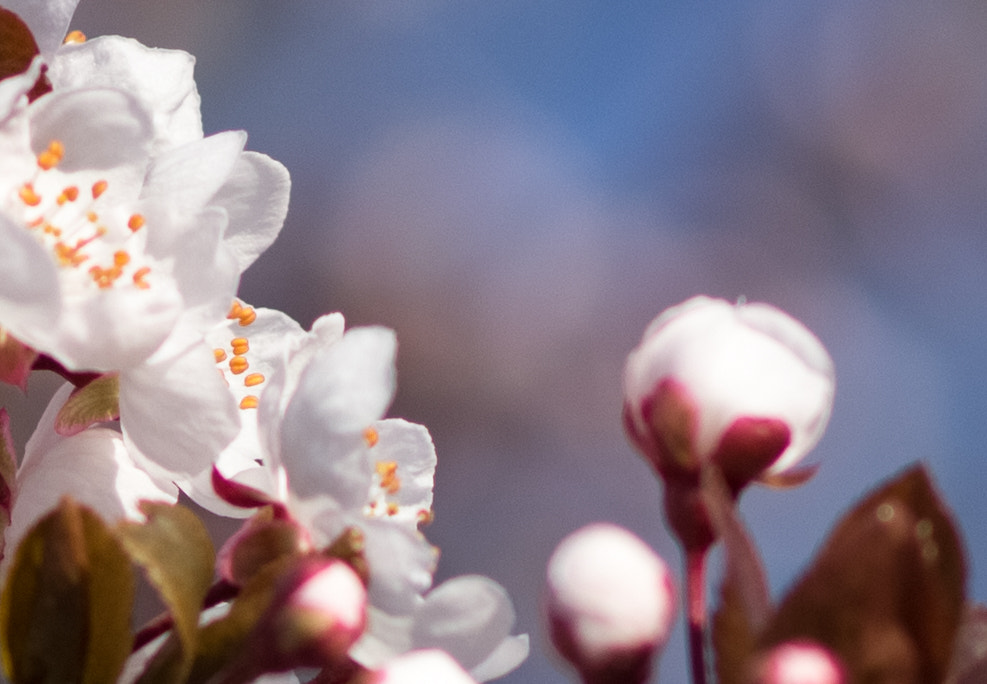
(519, 187)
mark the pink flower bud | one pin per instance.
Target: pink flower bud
(744, 386)
(416, 667)
(800, 663)
(610, 603)
(317, 613)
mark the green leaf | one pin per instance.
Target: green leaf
(95, 402)
(886, 593)
(222, 641)
(65, 609)
(745, 605)
(8, 476)
(16, 358)
(177, 555)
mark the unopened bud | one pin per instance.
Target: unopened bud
(744, 386)
(317, 613)
(800, 663)
(418, 667)
(610, 603)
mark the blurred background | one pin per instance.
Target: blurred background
(518, 187)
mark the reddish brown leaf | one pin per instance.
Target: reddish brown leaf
(886, 593)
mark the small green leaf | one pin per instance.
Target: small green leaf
(16, 358)
(177, 555)
(65, 609)
(95, 402)
(886, 594)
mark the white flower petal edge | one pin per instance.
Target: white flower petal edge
(469, 617)
(93, 467)
(48, 21)
(161, 79)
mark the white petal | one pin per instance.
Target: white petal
(114, 328)
(256, 198)
(507, 657)
(161, 79)
(106, 133)
(205, 271)
(410, 446)
(351, 384)
(181, 182)
(178, 413)
(401, 565)
(468, 617)
(92, 466)
(30, 300)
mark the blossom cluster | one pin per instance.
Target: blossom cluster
(125, 233)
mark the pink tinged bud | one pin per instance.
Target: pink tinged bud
(800, 663)
(317, 613)
(417, 667)
(745, 386)
(329, 608)
(610, 603)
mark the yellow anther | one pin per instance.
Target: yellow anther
(121, 258)
(69, 194)
(139, 275)
(370, 436)
(75, 37)
(28, 195)
(238, 364)
(249, 402)
(92, 216)
(135, 223)
(99, 187)
(235, 310)
(52, 155)
(425, 517)
(388, 473)
(240, 345)
(247, 316)
(219, 355)
(253, 379)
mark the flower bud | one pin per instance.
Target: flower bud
(429, 665)
(800, 663)
(743, 386)
(610, 603)
(317, 612)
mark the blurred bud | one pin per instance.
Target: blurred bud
(744, 386)
(318, 611)
(262, 539)
(800, 663)
(610, 603)
(416, 667)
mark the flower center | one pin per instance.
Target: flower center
(68, 222)
(236, 362)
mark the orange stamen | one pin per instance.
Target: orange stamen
(219, 355)
(249, 402)
(238, 364)
(28, 195)
(253, 379)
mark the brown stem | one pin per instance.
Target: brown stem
(218, 592)
(695, 601)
